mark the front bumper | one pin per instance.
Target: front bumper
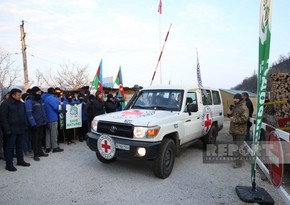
(152, 148)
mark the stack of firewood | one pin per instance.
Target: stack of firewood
(280, 90)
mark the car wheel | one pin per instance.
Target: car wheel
(210, 138)
(163, 164)
(102, 159)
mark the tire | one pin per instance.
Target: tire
(102, 159)
(163, 164)
(210, 138)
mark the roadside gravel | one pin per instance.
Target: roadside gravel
(75, 176)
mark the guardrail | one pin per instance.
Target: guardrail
(283, 135)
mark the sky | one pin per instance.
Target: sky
(131, 33)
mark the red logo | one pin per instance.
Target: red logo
(106, 146)
(207, 122)
(132, 112)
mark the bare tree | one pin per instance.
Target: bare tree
(8, 75)
(70, 76)
(45, 79)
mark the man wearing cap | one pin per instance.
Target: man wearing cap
(36, 116)
(239, 115)
(51, 110)
(13, 123)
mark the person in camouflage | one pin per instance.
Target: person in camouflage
(239, 115)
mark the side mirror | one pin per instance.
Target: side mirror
(191, 108)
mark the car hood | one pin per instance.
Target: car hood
(138, 117)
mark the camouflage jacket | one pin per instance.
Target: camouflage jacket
(239, 118)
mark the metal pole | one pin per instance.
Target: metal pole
(161, 54)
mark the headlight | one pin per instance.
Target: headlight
(94, 125)
(146, 132)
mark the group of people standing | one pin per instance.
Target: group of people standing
(240, 125)
(32, 122)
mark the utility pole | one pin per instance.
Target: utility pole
(24, 57)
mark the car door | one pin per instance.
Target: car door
(192, 122)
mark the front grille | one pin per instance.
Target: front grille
(117, 129)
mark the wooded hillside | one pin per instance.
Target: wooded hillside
(282, 65)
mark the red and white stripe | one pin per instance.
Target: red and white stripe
(161, 53)
(282, 134)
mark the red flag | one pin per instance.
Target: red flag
(160, 7)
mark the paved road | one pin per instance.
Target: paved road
(75, 176)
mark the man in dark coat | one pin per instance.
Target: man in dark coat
(110, 105)
(249, 105)
(36, 116)
(239, 116)
(96, 107)
(13, 122)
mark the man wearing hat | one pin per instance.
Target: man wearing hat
(37, 120)
(239, 115)
(51, 110)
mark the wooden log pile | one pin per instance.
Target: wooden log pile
(279, 91)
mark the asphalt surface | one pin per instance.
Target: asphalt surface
(75, 176)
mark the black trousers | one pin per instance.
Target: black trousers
(37, 136)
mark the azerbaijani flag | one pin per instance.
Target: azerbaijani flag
(119, 81)
(264, 52)
(98, 80)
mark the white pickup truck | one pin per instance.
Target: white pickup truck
(158, 121)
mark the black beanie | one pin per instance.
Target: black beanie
(35, 89)
(24, 96)
(238, 96)
(51, 90)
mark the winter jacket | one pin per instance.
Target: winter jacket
(239, 119)
(96, 107)
(12, 116)
(35, 112)
(110, 106)
(51, 107)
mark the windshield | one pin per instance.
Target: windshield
(159, 100)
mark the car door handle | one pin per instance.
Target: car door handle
(187, 120)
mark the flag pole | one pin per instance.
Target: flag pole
(160, 55)
(160, 25)
(257, 194)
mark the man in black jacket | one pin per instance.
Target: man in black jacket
(249, 104)
(95, 107)
(13, 122)
(110, 105)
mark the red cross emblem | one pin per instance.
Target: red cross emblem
(132, 112)
(106, 146)
(207, 122)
